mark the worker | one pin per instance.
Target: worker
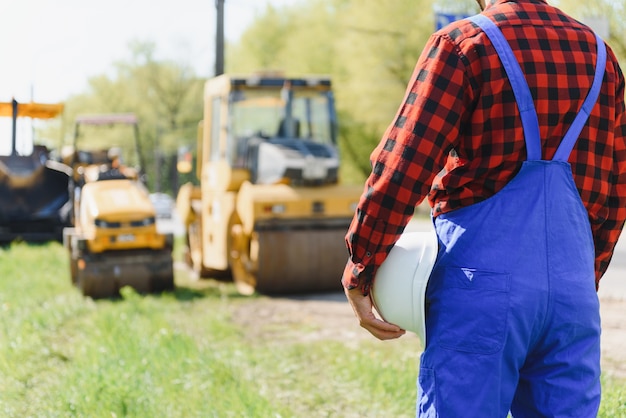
(289, 128)
(527, 201)
(114, 155)
(116, 168)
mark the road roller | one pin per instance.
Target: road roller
(114, 241)
(268, 210)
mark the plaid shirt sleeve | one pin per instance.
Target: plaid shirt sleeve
(608, 222)
(413, 150)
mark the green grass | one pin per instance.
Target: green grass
(183, 354)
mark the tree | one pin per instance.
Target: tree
(611, 10)
(296, 40)
(166, 96)
(380, 44)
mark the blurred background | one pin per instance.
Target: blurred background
(151, 58)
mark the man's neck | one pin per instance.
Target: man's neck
(483, 4)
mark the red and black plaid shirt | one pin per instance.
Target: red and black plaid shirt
(458, 139)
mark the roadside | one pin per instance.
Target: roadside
(329, 317)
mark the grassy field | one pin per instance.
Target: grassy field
(181, 354)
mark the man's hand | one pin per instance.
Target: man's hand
(362, 307)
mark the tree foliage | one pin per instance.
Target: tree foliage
(380, 44)
(166, 97)
(613, 11)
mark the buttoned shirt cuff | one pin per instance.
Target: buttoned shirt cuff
(355, 276)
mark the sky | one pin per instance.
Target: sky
(50, 48)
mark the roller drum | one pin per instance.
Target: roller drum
(300, 261)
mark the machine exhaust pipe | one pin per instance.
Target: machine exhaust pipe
(14, 133)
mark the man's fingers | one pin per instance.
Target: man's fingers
(381, 329)
(362, 306)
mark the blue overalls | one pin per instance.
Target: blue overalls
(512, 313)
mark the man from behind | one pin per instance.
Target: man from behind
(526, 176)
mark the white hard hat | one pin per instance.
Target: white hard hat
(399, 287)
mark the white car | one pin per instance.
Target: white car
(163, 204)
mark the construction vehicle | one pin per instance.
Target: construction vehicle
(269, 211)
(115, 241)
(35, 203)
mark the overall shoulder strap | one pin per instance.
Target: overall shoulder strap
(521, 91)
(569, 140)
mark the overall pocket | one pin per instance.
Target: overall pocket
(468, 309)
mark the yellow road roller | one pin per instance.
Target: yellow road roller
(269, 211)
(115, 241)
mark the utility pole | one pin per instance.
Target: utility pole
(219, 38)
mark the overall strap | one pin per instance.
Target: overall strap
(569, 140)
(524, 99)
(521, 91)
